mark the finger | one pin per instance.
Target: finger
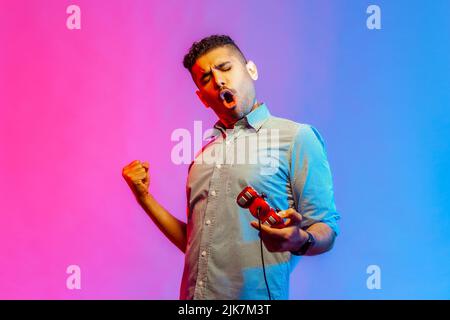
(147, 178)
(136, 172)
(272, 243)
(287, 222)
(267, 239)
(141, 185)
(286, 213)
(292, 216)
(138, 176)
(132, 166)
(255, 224)
(267, 230)
(134, 162)
(137, 165)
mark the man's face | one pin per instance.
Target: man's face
(225, 83)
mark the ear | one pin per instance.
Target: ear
(200, 96)
(252, 70)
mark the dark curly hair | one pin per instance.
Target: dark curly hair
(205, 45)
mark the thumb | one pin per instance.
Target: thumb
(146, 180)
(141, 188)
(146, 166)
(291, 217)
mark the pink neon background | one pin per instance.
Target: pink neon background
(78, 105)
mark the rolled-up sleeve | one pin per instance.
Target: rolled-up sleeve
(311, 180)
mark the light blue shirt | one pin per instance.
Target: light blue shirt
(223, 258)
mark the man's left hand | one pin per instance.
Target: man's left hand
(289, 237)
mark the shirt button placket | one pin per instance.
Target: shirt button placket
(212, 204)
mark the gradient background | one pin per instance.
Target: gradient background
(78, 105)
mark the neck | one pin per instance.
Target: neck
(256, 105)
(230, 125)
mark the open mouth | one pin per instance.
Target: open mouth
(228, 98)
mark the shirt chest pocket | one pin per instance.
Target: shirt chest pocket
(266, 177)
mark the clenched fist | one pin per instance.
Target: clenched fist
(137, 177)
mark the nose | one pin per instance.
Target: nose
(220, 82)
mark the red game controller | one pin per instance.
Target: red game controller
(250, 199)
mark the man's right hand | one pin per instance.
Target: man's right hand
(136, 174)
(137, 177)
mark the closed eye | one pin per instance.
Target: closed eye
(225, 66)
(205, 77)
(205, 80)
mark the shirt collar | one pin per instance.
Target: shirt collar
(255, 118)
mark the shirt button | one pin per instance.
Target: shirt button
(200, 283)
(203, 253)
(213, 193)
(208, 222)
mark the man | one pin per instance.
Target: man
(220, 239)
